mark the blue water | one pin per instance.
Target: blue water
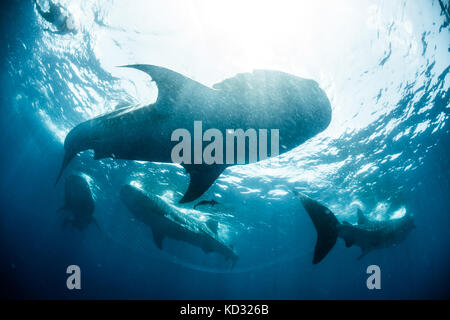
(385, 68)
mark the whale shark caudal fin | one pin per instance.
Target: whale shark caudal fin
(202, 176)
(362, 219)
(364, 252)
(326, 226)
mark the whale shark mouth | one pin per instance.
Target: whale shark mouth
(68, 156)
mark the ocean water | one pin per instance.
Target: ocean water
(384, 66)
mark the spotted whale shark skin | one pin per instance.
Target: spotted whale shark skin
(367, 234)
(263, 99)
(166, 220)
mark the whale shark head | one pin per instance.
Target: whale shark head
(302, 107)
(77, 140)
(301, 100)
(78, 196)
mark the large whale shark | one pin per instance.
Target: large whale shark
(166, 220)
(367, 234)
(264, 99)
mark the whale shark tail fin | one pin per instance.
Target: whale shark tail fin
(326, 226)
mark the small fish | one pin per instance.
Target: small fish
(205, 202)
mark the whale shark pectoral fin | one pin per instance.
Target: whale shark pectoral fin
(363, 253)
(202, 176)
(169, 83)
(158, 238)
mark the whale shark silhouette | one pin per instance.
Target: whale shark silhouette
(367, 234)
(167, 221)
(78, 200)
(264, 99)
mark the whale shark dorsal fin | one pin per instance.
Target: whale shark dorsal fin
(169, 83)
(213, 225)
(242, 81)
(202, 176)
(158, 238)
(236, 82)
(362, 219)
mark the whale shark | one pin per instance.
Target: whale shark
(79, 202)
(166, 220)
(367, 234)
(263, 99)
